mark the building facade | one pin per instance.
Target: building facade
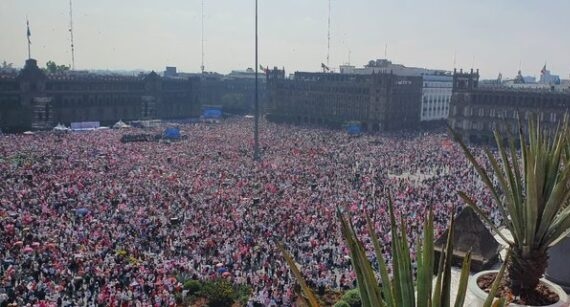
(477, 111)
(35, 100)
(234, 95)
(380, 102)
(436, 90)
(234, 92)
(436, 96)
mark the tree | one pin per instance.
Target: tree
(53, 68)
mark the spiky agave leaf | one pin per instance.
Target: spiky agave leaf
(386, 282)
(534, 200)
(444, 275)
(367, 284)
(407, 275)
(425, 263)
(487, 181)
(463, 281)
(496, 283)
(309, 295)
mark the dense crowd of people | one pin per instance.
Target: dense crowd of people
(86, 220)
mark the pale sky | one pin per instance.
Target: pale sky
(493, 35)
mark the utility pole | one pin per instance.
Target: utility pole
(256, 153)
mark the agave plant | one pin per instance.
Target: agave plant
(401, 289)
(531, 194)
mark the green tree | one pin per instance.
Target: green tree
(341, 303)
(352, 298)
(220, 293)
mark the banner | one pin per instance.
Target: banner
(85, 125)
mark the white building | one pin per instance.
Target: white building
(547, 78)
(436, 96)
(383, 66)
(437, 85)
(547, 81)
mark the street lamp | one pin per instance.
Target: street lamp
(256, 153)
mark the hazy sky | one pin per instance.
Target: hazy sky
(494, 35)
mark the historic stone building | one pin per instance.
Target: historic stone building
(35, 100)
(234, 92)
(476, 110)
(234, 95)
(436, 92)
(378, 101)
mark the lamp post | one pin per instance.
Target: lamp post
(256, 153)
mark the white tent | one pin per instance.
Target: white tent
(60, 127)
(120, 125)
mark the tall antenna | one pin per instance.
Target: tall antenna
(455, 59)
(386, 51)
(202, 67)
(71, 33)
(329, 37)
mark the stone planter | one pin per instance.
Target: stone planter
(481, 295)
(558, 270)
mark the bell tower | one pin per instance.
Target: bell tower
(465, 81)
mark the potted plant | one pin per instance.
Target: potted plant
(401, 289)
(558, 270)
(531, 192)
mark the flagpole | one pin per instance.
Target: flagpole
(256, 154)
(28, 34)
(71, 33)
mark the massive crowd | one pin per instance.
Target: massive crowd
(86, 220)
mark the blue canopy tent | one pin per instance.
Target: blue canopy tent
(354, 129)
(212, 113)
(172, 133)
(82, 212)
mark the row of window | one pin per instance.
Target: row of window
(534, 99)
(94, 86)
(91, 100)
(506, 114)
(438, 85)
(438, 99)
(45, 113)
